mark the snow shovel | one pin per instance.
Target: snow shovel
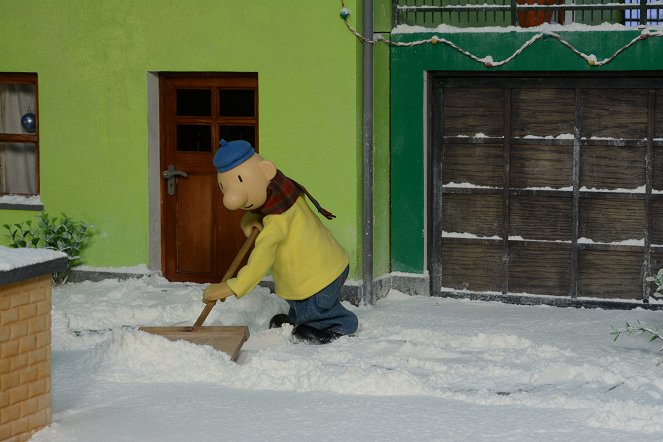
(228, 339)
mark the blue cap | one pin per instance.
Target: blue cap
(232, 154)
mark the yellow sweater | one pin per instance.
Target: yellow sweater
(303, 254)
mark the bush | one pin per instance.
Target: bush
(63, 234)
(658, 280)
(640, 328)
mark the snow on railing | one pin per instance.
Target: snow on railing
(524, 13)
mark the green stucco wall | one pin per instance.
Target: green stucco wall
(93, 57)
(381, 141)
(408, 67)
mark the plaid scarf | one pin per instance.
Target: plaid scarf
(282, 193)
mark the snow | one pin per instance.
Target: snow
(546, 27)
(466, 185)
(476, 135)
(418, 368)
(640, 189)
(550, 137)
(11, 258)
(140, 269)
(565, 188)
(20, 199)
(626, 242)
(520, 238)
(581, 240)
(467, 235)
(495, 295)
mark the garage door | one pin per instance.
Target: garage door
(546, 185)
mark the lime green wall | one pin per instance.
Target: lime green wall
(381, 135)
(12, 217)
(381, 140)
(93, 57)
(408, 66)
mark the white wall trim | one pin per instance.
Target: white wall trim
(154, 171)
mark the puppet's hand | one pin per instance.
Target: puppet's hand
(215, 292)
(249, 221)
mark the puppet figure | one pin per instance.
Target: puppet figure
(308, 265)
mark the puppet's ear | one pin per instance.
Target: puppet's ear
(268, 168)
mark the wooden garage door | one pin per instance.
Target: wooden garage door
(546, 185)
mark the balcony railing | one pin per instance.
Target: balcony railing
(481, 13)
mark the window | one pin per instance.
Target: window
(632, 16)
(19, 135)
(208, 108)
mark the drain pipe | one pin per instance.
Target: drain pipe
(367, 153)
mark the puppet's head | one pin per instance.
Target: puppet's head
(243, 175)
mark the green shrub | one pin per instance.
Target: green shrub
(63, 234)
(640, 328)
(658, 280)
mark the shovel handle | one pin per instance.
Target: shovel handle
(231, 271)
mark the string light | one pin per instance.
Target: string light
(488, 60)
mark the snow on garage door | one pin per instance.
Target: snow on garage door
(546, 185)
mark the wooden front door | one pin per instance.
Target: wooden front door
(200, 237)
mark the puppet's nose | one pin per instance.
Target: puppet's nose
(234, 198)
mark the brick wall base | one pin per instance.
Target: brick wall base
(25, 357)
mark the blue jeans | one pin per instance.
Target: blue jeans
(324, 310)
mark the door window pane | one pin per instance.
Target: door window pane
(194, 138)
(194, 102)
(231, 133)
(18, 166)
(236, 102)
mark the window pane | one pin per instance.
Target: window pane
(231, 133)
(194, 102)
(16, 100)
(236, 103)
(18, 166)
(194, 138)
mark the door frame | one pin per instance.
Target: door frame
(153, 172)
(155, 140)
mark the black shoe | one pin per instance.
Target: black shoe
(278, 320)
(312, 335)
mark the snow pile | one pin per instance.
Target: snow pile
(486, 366)
(11, 258)
(83, 312)
(136, 356)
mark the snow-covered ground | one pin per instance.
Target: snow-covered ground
(419, 368)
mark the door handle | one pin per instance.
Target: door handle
(169, 175)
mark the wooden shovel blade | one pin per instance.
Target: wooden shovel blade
(228, 339)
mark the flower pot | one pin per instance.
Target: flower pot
(527, 19)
